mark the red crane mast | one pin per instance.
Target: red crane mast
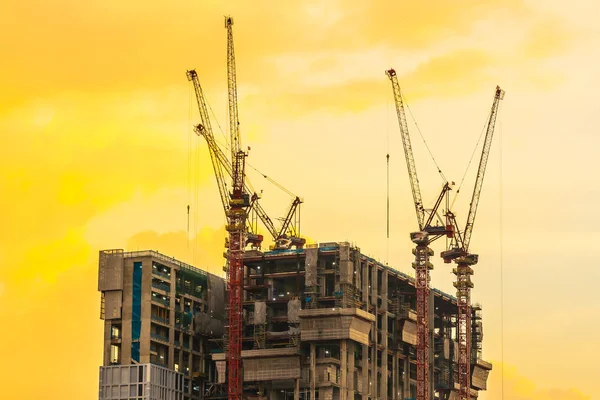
(459, 252)
(422, 238)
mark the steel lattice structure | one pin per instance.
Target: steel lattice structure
(237, 229)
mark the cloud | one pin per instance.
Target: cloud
(548, 37)
(508, 49)
(418, 24)
(74, 156)
(102, 45)
(462, 71)
(518, 387)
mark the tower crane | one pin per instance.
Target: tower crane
(458, 251)
(284, 237)
(236, 227)
(422, 239)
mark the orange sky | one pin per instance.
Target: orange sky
(96, 117)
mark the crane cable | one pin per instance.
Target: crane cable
(387, 157)
(189, 171)
(501, 268)
(227, 147)
(425, 142)
(470, 160)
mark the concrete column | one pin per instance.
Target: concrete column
(365, 284)
(384, 335)
(431, 342)
(350, 386)
(365, 372)
(107, 341)
(297, 389)
(374, 289)
(172, 338)
(406, 380)
(374, 297)
(146, 301)
(395, 376)
(343, 369)
(190, 362)
(313, 371)
(126, 313)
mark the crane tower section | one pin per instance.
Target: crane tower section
(459, 252)
(422, 239)
(237, 228)
(237, 231)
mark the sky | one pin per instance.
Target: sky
(96, 119)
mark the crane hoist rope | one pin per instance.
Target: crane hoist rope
(424, 141)
(219, 125)
(280, 186)
(483, 129)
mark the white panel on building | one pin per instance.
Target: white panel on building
(140, 382)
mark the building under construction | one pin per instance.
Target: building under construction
(322, 322)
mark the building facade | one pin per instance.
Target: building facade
(323, 322)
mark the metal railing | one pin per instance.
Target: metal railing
(162, 257)
(161, 301)
(161, 286)
(159, 337)
(160, 319)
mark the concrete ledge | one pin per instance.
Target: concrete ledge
(326, 312)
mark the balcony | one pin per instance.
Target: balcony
(161, 286)
(157, 360)
(157, 336)
(161, 320)
(159, 298)
(157, 272)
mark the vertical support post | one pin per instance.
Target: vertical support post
(313, 370)
(351, 385)
(383, 290)
(406, 380)
(237, 242)
(365, 372)
(463, 285)
(343, 369)
(431, 344)
(422, 267)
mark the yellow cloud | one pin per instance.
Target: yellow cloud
(417, 24)
(463, 72)
(548, 37)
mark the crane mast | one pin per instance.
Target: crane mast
(222, 166)
(237, 232)
(487, 144)
(459, 252)
(422, 238)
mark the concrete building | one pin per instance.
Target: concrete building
(149, 302)
(324, 322)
